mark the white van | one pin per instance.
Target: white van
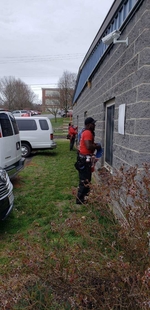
(36, 133)
(10, 145)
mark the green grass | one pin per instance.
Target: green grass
(43, 188)
(57, 255)
(58, 125)
(45, 224)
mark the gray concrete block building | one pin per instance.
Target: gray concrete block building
(113, 85)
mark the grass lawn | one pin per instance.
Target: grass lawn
(41, 227)
(44, 233)
(55, 254)
(60, 126)
(43, 188)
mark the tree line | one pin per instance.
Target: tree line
(17, 95)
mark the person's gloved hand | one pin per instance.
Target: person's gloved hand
(98, 146)
(99, 152)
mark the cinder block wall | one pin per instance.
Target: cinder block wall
(124, 76)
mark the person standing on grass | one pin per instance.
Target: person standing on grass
(72, 132)
(84, 159)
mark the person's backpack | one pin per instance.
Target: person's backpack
(79, 134)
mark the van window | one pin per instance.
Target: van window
(5, 125)
(26, 124)
(43, 124)
(14, 124)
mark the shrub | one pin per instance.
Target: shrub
(122, 279)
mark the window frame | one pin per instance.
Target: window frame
(109, 164)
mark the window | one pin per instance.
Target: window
(52, 93)
(52, 102)
(5, 125)
(109, 130)
(26, 124)
(43, 124)
(14, 123)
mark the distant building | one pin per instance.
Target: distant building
(50, 99)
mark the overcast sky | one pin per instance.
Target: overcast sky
(40, 39)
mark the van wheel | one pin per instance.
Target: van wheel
(25, 149)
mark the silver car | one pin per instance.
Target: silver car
(6, 194)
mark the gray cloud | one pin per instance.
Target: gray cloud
(40, 39)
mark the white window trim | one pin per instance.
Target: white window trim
(106, 165)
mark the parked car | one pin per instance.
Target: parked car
(6, 194)
(36, 112)
(69, 113)
(36, 133)
(33, 113)
(21, 113)
(10, 145)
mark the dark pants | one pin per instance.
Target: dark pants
(72, 141)
(84, 180)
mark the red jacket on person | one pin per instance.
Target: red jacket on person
(72, 131)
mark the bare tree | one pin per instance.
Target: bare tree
(7, 92)
(15, 94)
(66, 85)
(53, 101)
(54, 106)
